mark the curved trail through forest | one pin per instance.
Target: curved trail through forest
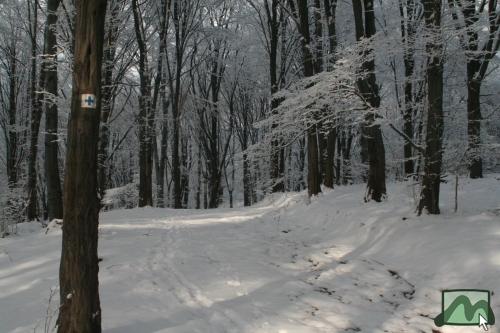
(251, 270)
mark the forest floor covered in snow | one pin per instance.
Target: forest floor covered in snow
(284, 266)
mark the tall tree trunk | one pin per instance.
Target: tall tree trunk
(429, 199)
(318, 37)
(408, 31)
(474, 119)
(247, 187)
(478, 59)
(178, 15)
(313, 173)
(330, 7)
(36, 116)
(176, 161)
(198, 179)
(213, 165)
(244, 139)
(12, 145)
(273, 24)
(163, 150)
(80, 310)
(49, 86)
(185, 175)
(338, 158)
(329, 159)
(159, 92)
(145, 115)
(345, 145)
(214, 170)
(318, 68)
(108, 93)
(161, 172)
(372, 141)
(205, 194)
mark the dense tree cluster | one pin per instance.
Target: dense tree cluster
(208, 103)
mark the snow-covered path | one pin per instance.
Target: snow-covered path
(335, 265)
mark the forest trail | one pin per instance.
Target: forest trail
(283, 266)
(245, 270)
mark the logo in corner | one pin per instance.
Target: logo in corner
(465, 307)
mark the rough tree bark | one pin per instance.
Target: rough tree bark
(49, 86)
(429, 199)
(80, 310)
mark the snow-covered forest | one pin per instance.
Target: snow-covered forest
(246, 165)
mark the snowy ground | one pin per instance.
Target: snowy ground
(285, 266)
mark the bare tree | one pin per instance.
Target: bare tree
(373, 151)
(467, 13)
(429, 199)
(410, 17)
(301, 15)
(329, 131)
(111, 77)
(146, 115)
(49, 88)
(36, 115)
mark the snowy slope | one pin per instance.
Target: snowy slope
(284, 266)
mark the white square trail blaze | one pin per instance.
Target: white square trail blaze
(89, 101)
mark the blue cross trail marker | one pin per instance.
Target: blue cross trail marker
(88, 101)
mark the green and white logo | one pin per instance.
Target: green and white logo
(466, 307)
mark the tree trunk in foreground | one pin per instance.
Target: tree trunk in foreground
(429, 199)
(80, 310)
